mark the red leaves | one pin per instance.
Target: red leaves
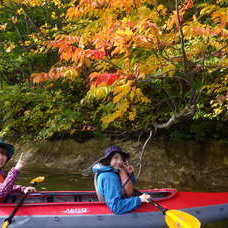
(96, 54)
(105, 78)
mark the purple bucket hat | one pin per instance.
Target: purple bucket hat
(111, 150)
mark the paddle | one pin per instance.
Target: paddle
(8, 220)
(176, 218)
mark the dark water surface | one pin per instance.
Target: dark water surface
(57, 179)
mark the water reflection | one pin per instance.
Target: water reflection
(57, 179)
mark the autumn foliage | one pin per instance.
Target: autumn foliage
(144, 63)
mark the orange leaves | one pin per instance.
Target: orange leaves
(104, 79)
(73, 12)
(207, 32)
(68, 50)
(220, 17)
(39, 77)
(173, 20)
(127, 4)
(55, 73)
(187, 5)
(84, 7)
(64, 41)
(3, 27)
(103, 42)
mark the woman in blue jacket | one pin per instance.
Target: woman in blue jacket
(110, 176)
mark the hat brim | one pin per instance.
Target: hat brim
(124, 155)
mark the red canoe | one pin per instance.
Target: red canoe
(81, 209)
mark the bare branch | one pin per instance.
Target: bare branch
(188, 111)
(142, 152)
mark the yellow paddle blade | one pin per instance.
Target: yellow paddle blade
(37, 180)
(180, 219)
(5, 224)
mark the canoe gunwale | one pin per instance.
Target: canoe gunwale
(172, 192)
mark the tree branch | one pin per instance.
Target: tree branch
(188, 111)
(142, 152)
(181, 36)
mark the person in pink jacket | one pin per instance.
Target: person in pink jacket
(7, 181)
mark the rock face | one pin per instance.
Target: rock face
(184, 164)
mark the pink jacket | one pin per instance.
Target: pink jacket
(8, 185)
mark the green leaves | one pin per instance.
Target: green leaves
(39, 114)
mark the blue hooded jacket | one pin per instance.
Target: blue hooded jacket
(109, 186)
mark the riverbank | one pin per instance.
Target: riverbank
(180, 164)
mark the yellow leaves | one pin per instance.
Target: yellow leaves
(121, 110)
(139, 96)
(10, 47)
(14, 20)
(71, 73)
(53, 15)
(162, 10)
(126, 31)
(126, 96)
(33, 3)
(149, 67)
(218, 90)
(221, 1)
(197, 48)
(224, 63)
(132, 115)
(121, 92)
(20, 11)
(208, 9)
(74, 12)
(172, 21)
(98, 93)
(57, 3)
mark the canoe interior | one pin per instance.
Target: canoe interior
(54, 197)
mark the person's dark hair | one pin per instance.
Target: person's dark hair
(3, 150)
(106, 161)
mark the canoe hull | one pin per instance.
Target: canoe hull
(207, 207)
(130, 220)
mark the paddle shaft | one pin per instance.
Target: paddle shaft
(161, 208)
(9, 219)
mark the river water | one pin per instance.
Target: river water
(57, 179)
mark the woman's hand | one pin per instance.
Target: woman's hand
(29, 189)
(145, 198)
(20, 163)
(129, 168)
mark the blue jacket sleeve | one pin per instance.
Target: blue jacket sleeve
(110, 187)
